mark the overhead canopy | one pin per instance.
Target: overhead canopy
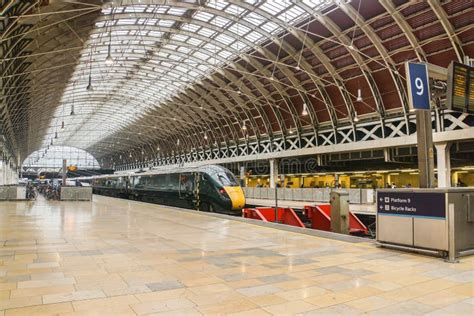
(187, 74)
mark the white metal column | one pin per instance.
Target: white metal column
(273, 172)
(443, 161)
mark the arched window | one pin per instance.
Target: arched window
(53, 156)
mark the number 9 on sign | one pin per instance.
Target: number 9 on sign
(419, 86)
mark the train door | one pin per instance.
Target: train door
(197, 189)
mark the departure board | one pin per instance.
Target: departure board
(460, 93)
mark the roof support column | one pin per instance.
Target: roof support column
(273, 172)
(443, 164)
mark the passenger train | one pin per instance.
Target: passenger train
(209, 188)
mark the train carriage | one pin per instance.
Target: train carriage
(209, 188)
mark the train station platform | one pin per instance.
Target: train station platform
(120, 257)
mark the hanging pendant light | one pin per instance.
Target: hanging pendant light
(305, 110)
(62, 125)
(244, 127)
(359, 95)
(72, 110)
(109, 61)
(356, 118)
(89, 86)
(55, 135)
(205, 136)
(51, 142)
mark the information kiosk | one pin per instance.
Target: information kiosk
(436, 221)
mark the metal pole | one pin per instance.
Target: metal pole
(424, 135)
(276, 203)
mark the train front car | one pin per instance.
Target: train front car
(220, 191)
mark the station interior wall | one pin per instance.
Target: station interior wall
(358, 180)
(8, 175)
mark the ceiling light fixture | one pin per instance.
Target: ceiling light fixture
(205, 136)
(89, 86)
(359, 95)
(244, 127)
(356, 118)
(62, 125)
(109, 61)
(305, 110)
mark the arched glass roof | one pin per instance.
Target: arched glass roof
(52, 157)
(157, 51)
(196, 74)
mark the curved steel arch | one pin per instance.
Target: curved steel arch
(257, 85)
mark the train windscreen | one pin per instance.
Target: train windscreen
(225, 178)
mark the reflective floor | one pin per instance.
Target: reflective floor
(117, 257)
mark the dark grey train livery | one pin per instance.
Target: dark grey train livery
(209, 188)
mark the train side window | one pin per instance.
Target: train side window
(137, 182)
(186, 182)
(174, 181)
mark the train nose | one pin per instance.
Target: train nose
(236, 195)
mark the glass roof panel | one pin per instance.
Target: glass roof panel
(274, 7)
(206, 32)
(219, 21)
(191, 27)
(165, 23)
(176, 11)
(217, 4)
(52, 157)
(225, 39)
(153, 55)
(238, 29)
(254, 18)
(271, 27)
(203, 16)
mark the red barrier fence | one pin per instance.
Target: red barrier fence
(267, 214)
(320, 217)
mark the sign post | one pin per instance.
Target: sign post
(419, 101)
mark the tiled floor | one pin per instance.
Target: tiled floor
(117, 257)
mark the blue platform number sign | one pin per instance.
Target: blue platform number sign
(418, 86)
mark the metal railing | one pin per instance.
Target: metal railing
(356, 196)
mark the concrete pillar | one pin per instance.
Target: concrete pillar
(8, 170)
(64, 175)
(242, 176)
(273, 172)
(2, 173)
(424, 135)
(443, 163)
